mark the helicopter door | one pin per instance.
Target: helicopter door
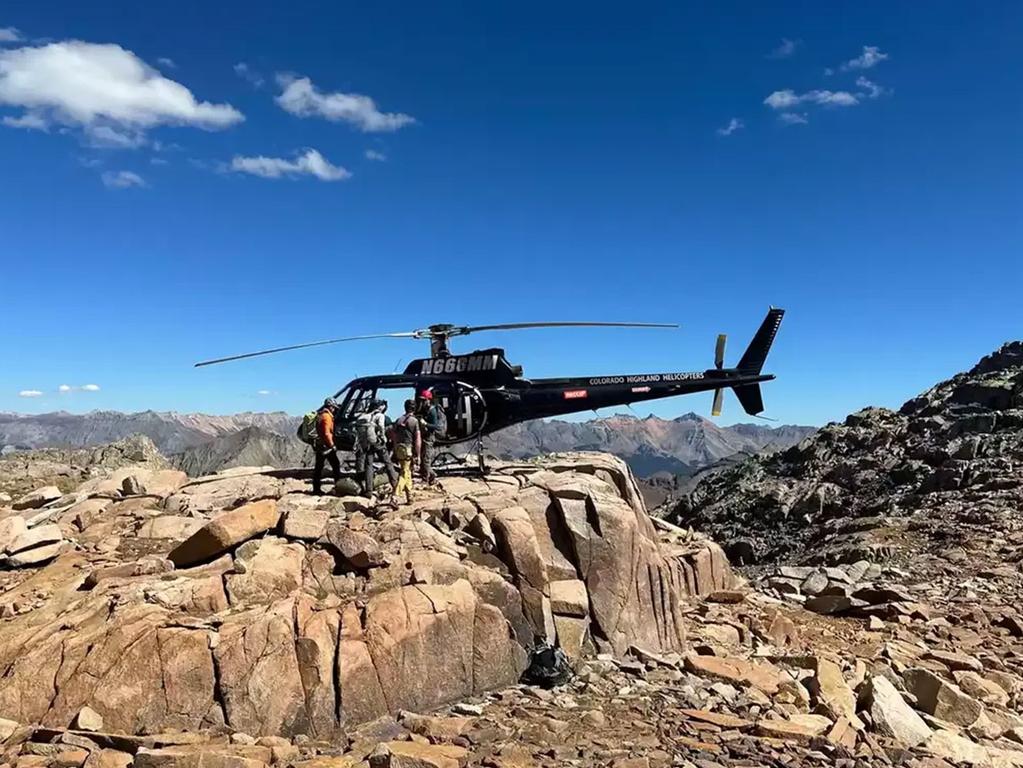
(465, 408)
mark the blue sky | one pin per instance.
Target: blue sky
(382, 168)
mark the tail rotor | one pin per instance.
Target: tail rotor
(719, 363)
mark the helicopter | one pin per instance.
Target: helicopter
(481, 392)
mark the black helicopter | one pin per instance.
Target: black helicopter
(481, 392)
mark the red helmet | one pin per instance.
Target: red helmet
(426, 394)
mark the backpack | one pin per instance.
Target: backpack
(400, 428)
(307, 429)
(548, 667)
(366, 429)
(440, 421)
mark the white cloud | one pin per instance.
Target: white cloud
(300, 97)
(372, 154)
(30, 393)
(310, 162)
(735, 124)
(104, 89)
(872, 89)
(793, 118)
(122, 180)
(106, 136)
(786, 99)
(785, 50)
(65, 388)
(249, 75)
(9, 35)
(166, 62)
(157, 161)
(264, 392)
(870, 57)
(29, 120)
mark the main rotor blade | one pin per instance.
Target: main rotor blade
(408, 334)
(515, 326)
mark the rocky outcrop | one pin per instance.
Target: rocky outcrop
(883, 485)
(67, 468)
(238, 603)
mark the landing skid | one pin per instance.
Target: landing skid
(456, 465)
(480, 458)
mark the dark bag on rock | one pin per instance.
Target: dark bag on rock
(548, 667)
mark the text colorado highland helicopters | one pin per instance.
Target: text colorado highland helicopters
(481, 392)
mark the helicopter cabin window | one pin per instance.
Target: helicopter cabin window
(357, 401)
(463, 406)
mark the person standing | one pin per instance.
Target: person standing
(434, 424)
(324, 447)
(371, 446)
(408, 446)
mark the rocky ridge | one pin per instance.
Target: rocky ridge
(937, 481)
(250, 446)
(650, 445)
(68, 467)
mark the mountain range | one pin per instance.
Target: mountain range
(171, 432)
(201, 443)
(650, 445)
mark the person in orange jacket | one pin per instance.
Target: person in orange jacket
(325, 448)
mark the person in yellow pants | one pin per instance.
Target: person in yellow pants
(408, 447)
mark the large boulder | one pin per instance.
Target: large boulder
(422, 646)
(37, 498)
(35, 537)
(891, 715)
(359, 550)
(224, 491)
(941, 698)
(265, 570)
(226, 531)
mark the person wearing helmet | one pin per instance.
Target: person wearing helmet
(324, 447)
(434, 424)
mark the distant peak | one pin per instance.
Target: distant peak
(689, 417)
